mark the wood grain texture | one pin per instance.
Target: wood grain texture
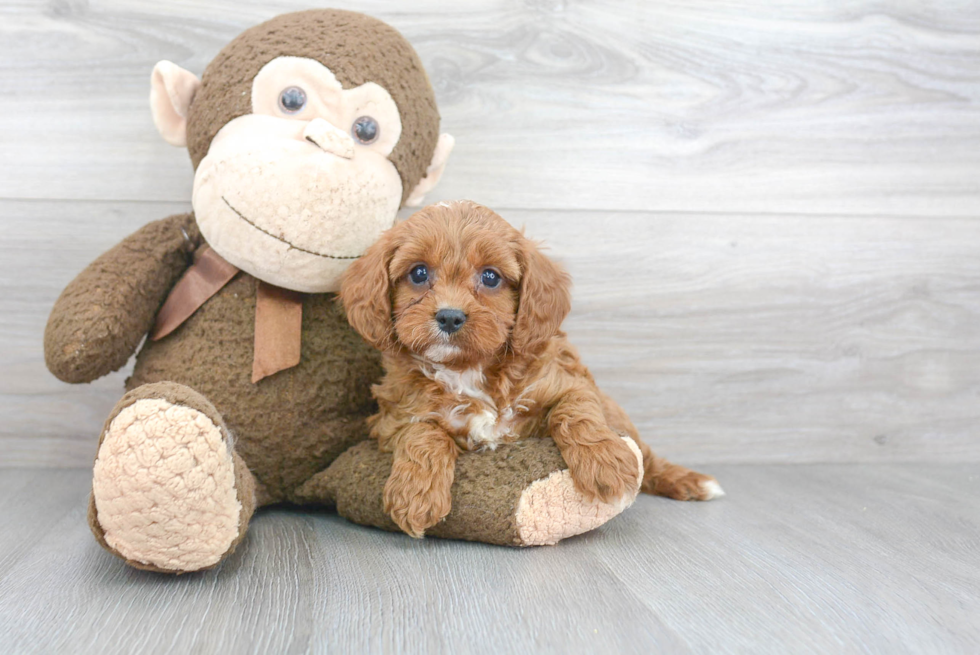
(771, 214)
(863, 107)
(779, 263)
(800, 559)
(728, 338)
(44, 245)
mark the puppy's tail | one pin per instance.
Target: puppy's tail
(664, 478)
(660, 477)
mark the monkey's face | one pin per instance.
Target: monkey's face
(296, 190)
(307, 133)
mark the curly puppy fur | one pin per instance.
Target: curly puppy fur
(502, 371)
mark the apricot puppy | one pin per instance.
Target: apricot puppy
(467, 312)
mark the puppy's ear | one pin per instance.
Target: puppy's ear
(365, 291)
(544, 302)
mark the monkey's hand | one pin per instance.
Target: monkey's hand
(101, 316)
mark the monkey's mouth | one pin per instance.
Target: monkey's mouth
(280, 239)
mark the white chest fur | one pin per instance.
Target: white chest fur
(481, 422)
(486, 429)
(467, 383)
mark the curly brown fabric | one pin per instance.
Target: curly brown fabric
(101, 316)
(288, 426)
(486, 490)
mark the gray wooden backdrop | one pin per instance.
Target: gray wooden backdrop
(771, 211)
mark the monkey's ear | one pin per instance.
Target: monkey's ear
(171, 90)
(433, 172)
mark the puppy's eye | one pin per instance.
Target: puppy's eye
(490, 278)
(365, 129)
(419, 274)
(292, 100)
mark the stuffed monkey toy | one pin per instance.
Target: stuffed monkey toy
(307, 134)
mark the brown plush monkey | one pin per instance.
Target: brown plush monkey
(307, 133)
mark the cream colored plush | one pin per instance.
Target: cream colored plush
(252, 191)
(552, 509)
(269, 227)
(433, 172)
(164, 487)
(326, 99)
(171, 91)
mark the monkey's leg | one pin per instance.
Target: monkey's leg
(660, 477)
(169, 493)
(520, 494)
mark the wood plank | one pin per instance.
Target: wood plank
(835, 559)
(727, 338)
(661, 106)
(814, 559)
(780, 338)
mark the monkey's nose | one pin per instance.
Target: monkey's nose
(450, 320)
(329, 138)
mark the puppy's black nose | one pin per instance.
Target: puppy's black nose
(450, 320)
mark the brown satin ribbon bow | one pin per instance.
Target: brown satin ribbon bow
(278, 312)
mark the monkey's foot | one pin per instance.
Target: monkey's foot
(165, 495)
(552, 509)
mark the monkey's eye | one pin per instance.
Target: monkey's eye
(365, 129)
(292, 100)
(490, 278)
(419, 274)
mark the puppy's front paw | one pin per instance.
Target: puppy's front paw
(417, 499)
(605, 470)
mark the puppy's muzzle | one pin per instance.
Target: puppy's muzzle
(450, 320)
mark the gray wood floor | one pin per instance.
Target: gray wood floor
(796, 559)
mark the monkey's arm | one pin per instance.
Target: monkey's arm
(101, 316)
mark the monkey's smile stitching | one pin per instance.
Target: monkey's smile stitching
(263, 231)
